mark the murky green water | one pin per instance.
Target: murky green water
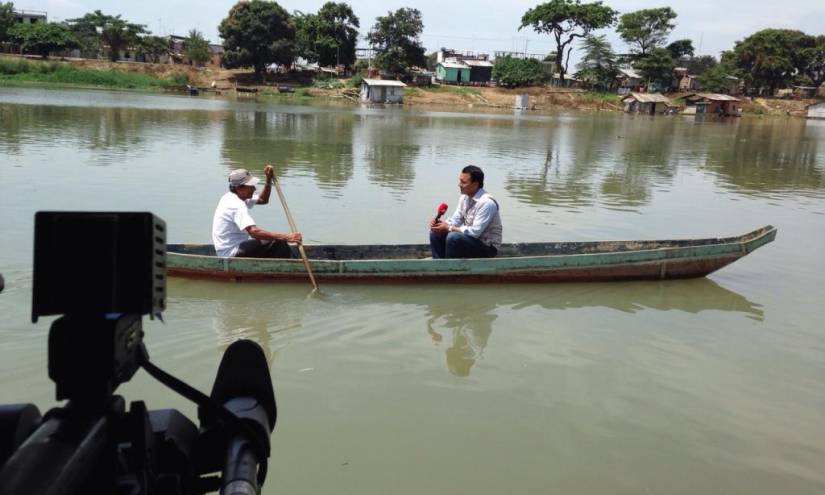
(702, 386)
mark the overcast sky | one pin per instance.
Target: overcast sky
(479, 25)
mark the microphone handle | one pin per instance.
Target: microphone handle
(438, 217)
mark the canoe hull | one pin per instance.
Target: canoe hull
(595, 263)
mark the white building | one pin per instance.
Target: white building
(382, 91)
(816, 110)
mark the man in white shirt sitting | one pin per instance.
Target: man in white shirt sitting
(235, 233)
(474, 230)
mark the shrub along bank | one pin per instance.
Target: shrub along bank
(16, 70)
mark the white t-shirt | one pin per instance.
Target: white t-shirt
(230, 222)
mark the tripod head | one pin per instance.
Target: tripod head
(101, 272)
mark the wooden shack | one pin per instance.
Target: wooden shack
(712, 103)
(816, 110)
(481, 71)
(452, 71)
(382, 91)
(647, 103)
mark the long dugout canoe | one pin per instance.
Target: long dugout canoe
(544, 262)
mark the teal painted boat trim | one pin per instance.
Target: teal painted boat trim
(614, 260)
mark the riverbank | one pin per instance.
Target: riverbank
(163, 77)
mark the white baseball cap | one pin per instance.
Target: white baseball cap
(242, 177)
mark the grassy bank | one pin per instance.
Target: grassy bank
(58, 73)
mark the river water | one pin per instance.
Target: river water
(711, 385)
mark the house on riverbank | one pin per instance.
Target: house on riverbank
(382, 91)
(646, 103)
(815, 110)
(452, 71)
(711, 103)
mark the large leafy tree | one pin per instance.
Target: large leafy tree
(681, 49)
(772, 57)
(716, 79)
(567, 20)
(509, 71)
(656, 66)
(196, 48)
(598, 65)
(699, 65)
(42, 38)
(257, 33)
(814, 61)
(328, 37)
(7, 19)
(396, 39)
(113, 31)
(646, 29)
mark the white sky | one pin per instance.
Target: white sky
(479, 25)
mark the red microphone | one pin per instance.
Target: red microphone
(442, 209)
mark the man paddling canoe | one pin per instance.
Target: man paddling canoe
(474, 230)
(235, 233)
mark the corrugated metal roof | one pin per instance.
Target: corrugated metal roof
(630, 73)
(648, 98)
(383, 82)
(452, 64)
(478, 63)
(713, 97)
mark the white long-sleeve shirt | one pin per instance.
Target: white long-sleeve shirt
(478, 217)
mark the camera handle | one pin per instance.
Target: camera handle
(75, 445)
(240, 413)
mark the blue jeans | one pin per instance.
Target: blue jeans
(459, 245)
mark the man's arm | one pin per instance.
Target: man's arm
(269, 172)
(484, 215)
(265, 235)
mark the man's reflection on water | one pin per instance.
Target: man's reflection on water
(465, 329)
(469, 335)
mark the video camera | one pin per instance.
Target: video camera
(102, 287)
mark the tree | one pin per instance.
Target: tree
(716, 79)
(567, 20)
(680, 49)
(395, 37)
(656, 66)
(328, 37)
(699, 65)
(814, 61)
(7, 20)
(598, 66)
(772, 57)
(196, 48)
(153, 47)
(509, 71)
(96, 27)
(337, 34)
(42, 38)
(257, 33)
(646, 29)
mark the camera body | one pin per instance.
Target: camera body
(101, 272)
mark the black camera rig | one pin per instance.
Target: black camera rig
(102, 272)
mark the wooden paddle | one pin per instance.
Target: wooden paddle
(294, 229)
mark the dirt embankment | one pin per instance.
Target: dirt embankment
(541, 97)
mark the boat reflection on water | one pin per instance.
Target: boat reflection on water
(465, 314)
(458, 318)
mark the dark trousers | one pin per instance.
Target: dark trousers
(254, 248)
(459, 245)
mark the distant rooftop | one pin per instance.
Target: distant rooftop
(383, 82)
